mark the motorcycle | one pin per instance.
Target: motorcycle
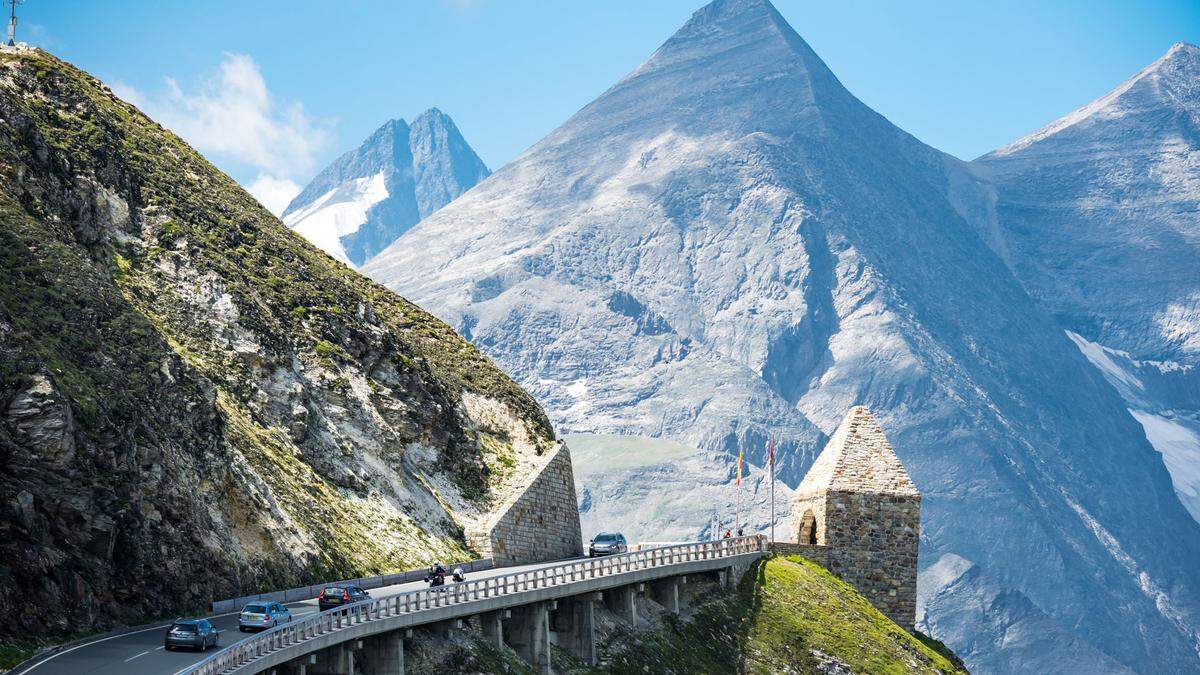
(459, 575)
(435, 579)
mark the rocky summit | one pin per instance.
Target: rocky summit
(197, 404)
(728, 243)
(373, 194)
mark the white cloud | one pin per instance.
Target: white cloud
(232, 115)
(273, 192)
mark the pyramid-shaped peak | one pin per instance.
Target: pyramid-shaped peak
(1181, 48)
(433, 115)
(723, 20)
(858, 458)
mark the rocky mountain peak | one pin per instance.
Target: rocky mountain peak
(1169, 84)
(727, 243)
(369, 196)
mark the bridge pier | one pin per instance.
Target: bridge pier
(619, 601)
(666, 593)
(384, 654)
(574, 626)
(492, 624)
(528, 634)
(301, 665)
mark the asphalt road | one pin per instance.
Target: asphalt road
(142, 653)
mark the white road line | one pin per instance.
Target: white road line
(157, 648)
(136, 656)
(106, 639)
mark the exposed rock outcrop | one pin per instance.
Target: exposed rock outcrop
(194, 402)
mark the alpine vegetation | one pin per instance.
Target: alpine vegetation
(196, 403)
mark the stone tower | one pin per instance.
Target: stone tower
(858, 501)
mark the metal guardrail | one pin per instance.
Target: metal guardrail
(288, 635)
(309, 592)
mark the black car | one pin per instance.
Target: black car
(192, 633)
(608, 543)
(336, 596)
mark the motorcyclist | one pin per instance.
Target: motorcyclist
(437, 575)
(459, 575)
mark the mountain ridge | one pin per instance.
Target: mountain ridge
(745, 247)
(194, 402)
(370, 195)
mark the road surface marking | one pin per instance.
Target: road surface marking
(136, 656)
(110, 637)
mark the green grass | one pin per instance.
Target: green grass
(11, 655)
(783, 610)
(108, 309)
(596, 453)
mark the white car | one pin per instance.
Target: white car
(263, 615)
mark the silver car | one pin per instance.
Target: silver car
(263, 615)
(608, 543)
(191, 633)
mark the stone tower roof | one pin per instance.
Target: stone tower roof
(858, 458)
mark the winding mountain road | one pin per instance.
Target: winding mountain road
(141, 652)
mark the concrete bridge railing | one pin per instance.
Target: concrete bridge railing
(297, 637)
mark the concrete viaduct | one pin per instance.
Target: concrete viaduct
(525, 610)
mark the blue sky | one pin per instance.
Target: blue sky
(271, 91)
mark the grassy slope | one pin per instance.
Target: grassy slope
(783, 610)
(594, 453)
(99, 311)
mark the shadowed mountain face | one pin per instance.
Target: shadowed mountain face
(370, 196)
(1098, 215)
(727, 243)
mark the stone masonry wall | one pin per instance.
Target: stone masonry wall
(873, 542)
(541, 523)
(817, 554)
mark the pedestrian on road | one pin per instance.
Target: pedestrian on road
(727, 534)
(740, 532)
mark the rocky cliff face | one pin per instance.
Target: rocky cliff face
(194, 402)
(1098, 215)
(369, 196)
(727, 243)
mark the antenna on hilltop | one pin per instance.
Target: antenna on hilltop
(12, 22)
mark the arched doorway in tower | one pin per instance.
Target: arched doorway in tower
(808, 528)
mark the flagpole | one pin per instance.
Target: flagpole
(737, 514)
(771, 449)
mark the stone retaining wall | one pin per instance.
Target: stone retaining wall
(541, 523)
(817, 554)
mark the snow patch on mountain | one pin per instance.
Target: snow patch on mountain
(337, 213)
(1179, 443)
(369, 196)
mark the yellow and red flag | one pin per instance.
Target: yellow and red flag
(739, 473)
